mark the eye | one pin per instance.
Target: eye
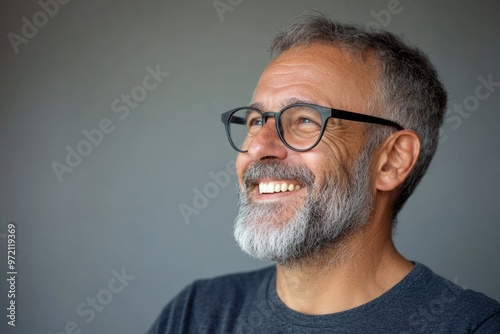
(256, 121)
(305, 120)
(302, 116)
(253, 119)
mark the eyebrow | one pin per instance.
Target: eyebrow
(284, 103)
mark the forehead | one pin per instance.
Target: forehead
(318, 73)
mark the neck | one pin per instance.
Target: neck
(353, 272)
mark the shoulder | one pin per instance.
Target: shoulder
(434, 297)
(431, 286)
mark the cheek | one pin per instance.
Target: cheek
(335, 146)
(320, 162)
(328, 162)
(342, 149)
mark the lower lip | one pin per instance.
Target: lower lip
(258, 197)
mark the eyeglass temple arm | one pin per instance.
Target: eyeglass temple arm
(350, 116)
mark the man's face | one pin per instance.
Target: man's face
(320, 195)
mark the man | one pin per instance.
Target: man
(343, 125)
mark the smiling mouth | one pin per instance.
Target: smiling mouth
(278, 187)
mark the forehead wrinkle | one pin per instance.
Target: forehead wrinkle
(283, 102)
(300, 89)
(305, 71)
(337, 63)
(326, 61)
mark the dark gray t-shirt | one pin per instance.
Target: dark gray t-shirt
(422, 302)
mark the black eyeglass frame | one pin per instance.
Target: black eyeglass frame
(325, 113)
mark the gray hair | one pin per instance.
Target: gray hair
(409, 91)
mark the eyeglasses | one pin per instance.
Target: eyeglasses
(300, 126)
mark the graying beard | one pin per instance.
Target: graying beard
(324, 220)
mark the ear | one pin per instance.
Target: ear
(397, 157)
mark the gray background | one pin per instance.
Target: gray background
(120, 207)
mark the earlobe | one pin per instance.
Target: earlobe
(397, 157)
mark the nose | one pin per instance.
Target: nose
(267, 143)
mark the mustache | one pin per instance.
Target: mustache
(277, 170)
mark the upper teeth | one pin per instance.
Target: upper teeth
(276, 187)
